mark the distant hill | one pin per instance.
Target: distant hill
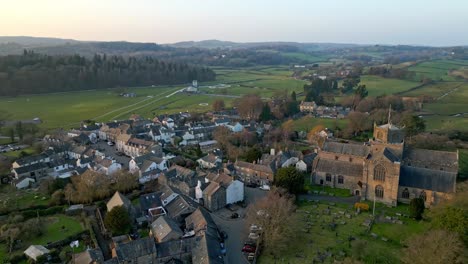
(35, 41)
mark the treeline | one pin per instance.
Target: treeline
(37, 73)
(390, 72)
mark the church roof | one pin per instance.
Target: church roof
(432, 159)
(347, 149)
(428, 179)
(338, 167)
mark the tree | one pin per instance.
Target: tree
(293, 96)
(314, 136)
(218, 105)
(434, 246)
(290, 179)
(361, 91)
(11, 133)
(125, 181)
(118, 221)
(19, 130)
(274, 213)
(253, 154)
(417, 208)
(265, 115)
(249, 106)
(413, 124)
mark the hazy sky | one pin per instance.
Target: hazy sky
(428, 22)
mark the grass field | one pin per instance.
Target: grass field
(317, 237)
(303, 56)
(12, 199)
(377, 85)
(58, 227)
(308, 122)
(463, 164)
(437, 69)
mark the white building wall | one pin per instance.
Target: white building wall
(235, 192)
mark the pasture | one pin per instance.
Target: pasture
(377, 85)
(438, 70)
(306, 123)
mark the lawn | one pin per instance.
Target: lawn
(58, 227)
(463, 164)
(329, 190)
(377, 85)
(12, 199)
(17, 153)
(306, 123)
(316, 236)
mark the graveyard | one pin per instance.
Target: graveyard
(336, 231)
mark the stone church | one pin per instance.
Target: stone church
(387, 170)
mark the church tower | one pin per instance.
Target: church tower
(389, 133)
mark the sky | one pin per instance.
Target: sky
(416, 22)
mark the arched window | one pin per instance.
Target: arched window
(405, 193)
(379, 173)
(422, 195)
(328, 177)
(379, 191)
(340, 179)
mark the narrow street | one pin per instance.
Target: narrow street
(236, 229)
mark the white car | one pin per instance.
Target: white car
(265, 187)
(110, 143)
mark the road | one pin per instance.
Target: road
(236, 230)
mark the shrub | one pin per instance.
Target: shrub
(416, 208)
(361, 206)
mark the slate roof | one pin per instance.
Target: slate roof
(30, 159)
(175, 248)
(220, 178)
(207, 250)
(201, 220)
(178, 207)
(255, 167)
(431, 159)
(134, 249)
(150, 200)
(422, 178)
(211, 189)
(347, 149)
(32, 167)
(309, 158)
(338, 167)
(163, 226)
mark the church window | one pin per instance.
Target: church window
(340, 179)
(422, 195)
(379, 173)
(405, 194)
(328, 177)
(379, 191)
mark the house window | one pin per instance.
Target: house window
(328, 177)
(422, 195)
(350, 159)
(405, 194)
(340, 179)
(336, 157)
(379, 191)
(379, 173)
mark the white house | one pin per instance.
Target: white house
(235, 127)
(106, 166)
(301, 166)
(147, 163)
(209, 161)
(169, 122)
(234, 187)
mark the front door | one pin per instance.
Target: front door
(321, 182)
(357, 193)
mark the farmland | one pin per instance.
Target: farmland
(379, 86)
(438, 70)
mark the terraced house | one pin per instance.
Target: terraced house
(387, 170)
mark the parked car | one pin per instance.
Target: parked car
(251, 257)
(223, 235)
(253, 236)
(265, 187)
(254, 228)
(110, 143)
(248, 249)
(223, 249)
(250, 243)
(234, 215)
(251, 185)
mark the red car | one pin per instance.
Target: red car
(248, 249)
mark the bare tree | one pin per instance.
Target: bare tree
(125, 181)
(435, 246)
(218, 105)
(274, 214)
(249, 106)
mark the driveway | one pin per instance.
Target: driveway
(235, 228)
(110, 151)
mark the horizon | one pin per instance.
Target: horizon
(419, 23)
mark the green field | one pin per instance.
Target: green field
(306, 123)
(437, 69)
(303, 56)
(377, 85)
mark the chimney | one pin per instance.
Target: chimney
(272, 152)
